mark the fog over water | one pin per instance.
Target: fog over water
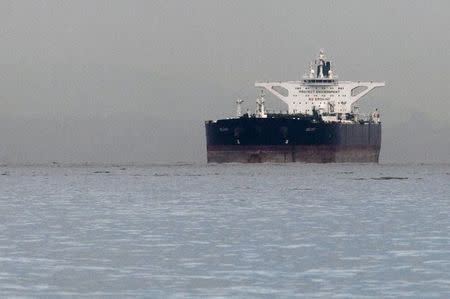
(133, 81)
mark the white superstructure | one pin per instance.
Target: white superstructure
(320, 91)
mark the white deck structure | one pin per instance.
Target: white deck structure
(320, 90)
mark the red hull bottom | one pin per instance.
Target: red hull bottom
(296, 153)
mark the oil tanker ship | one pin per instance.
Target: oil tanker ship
(322, 123)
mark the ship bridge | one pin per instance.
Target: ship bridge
(320, 90)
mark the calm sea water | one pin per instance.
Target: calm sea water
(243, 231)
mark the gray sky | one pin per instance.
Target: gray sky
(133, 81)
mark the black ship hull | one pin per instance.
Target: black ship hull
(291, 139)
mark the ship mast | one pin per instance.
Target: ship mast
(239, 107)
(260, 106)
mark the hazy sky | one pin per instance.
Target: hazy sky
(133, 81)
